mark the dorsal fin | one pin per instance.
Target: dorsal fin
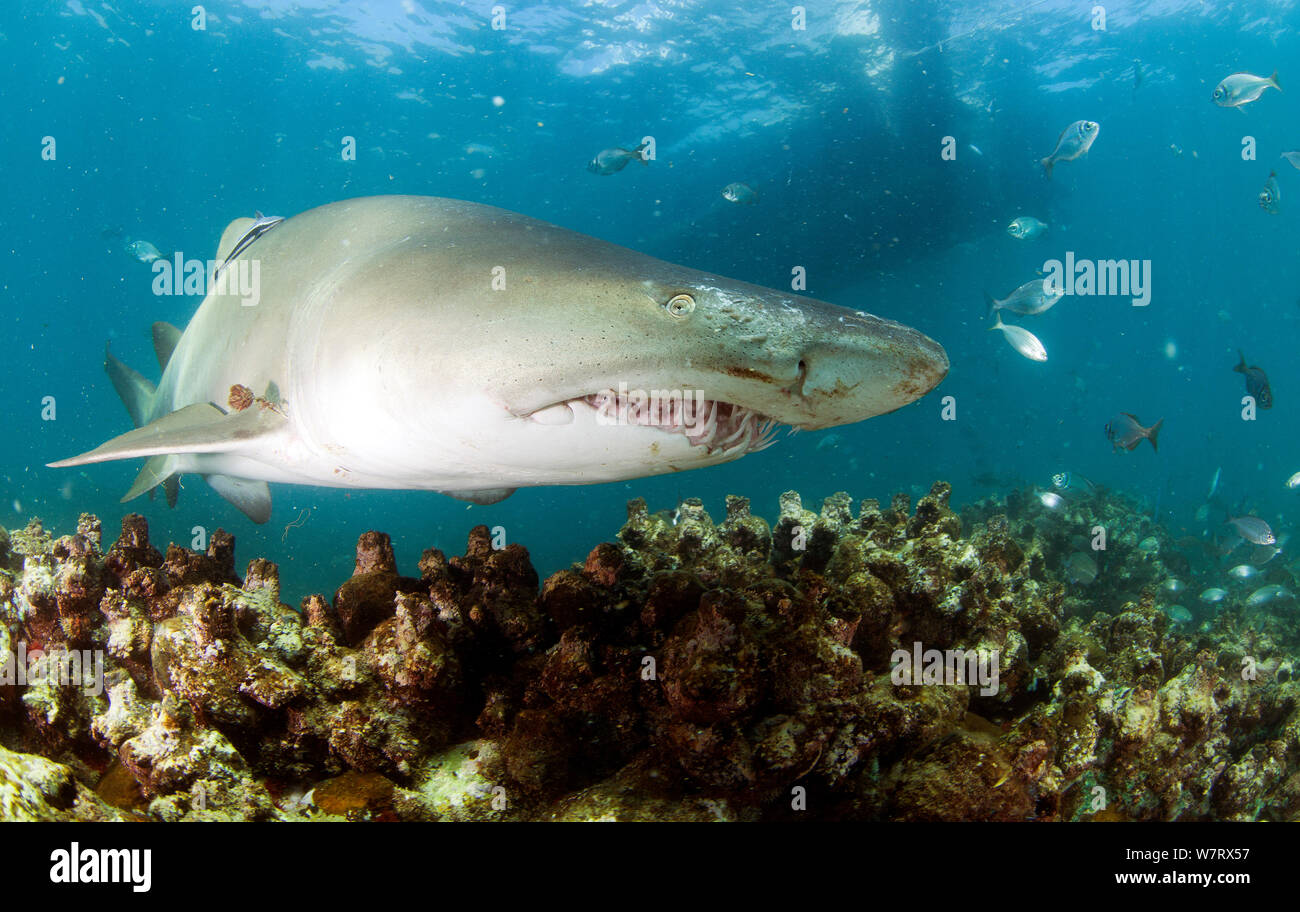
(165, 337)
(234, 232)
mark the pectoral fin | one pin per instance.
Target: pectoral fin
(253, 498)
(156, 471)
(199, 428)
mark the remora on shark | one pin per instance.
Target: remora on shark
(432, 344)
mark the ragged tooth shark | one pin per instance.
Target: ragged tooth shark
(432, 344)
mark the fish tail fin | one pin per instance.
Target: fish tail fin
(1153, 433)
(999, 324)
(1241, 365)
(1273, 79)
(640, 152)
(132, 388)
(991, 304)
(1047, 164)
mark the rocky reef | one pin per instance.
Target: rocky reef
(690, 670)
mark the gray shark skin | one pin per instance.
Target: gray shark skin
(421, 343)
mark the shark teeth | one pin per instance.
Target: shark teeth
(704, 423)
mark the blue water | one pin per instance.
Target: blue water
(166, 133)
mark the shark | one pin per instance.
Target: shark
(421, 343)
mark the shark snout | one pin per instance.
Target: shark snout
(855, 369)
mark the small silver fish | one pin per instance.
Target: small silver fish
(1214, 596)
(1242, 88)
(1022, 340)
(1253, 529)
(1294, 481)
(1265, 594)
(1262, 554)
(1178, 614)
(1270, 198)
(1072, 484)
(1173, 585)
(1214, 482)
(143, 251)
(1074, 142)
(1026, 228)
(1051, 500)
(1244, 572)
(737, 192)
(611, 161)
(1030, 299)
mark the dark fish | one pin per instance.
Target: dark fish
(261, 225)
(1270, 198)
(740, 193)
(1124, 430)
(1253, 529)
(611, 161)
(1137, 74)
(1256, 383)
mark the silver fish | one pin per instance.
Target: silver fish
(1022, 340)
(1051, 500)
(1026, 228)
(1265, 594)
(1270, 198)
(737, 192)
(1294, 481)
(1173, 585)
(1030, 299)
(143, 251)
(1074, 142)
(1244, 572)
(1253, 529)
(1213, 596)
(1242, 88)
(611, 161)
(1178, 614)
(1072, 484)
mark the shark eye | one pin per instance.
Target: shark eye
(680, 305)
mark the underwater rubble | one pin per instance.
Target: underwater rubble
(689, 671)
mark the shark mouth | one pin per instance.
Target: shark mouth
(704, 423)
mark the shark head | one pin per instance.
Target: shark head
(594, 363)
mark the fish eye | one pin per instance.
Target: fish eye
(680, 305)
